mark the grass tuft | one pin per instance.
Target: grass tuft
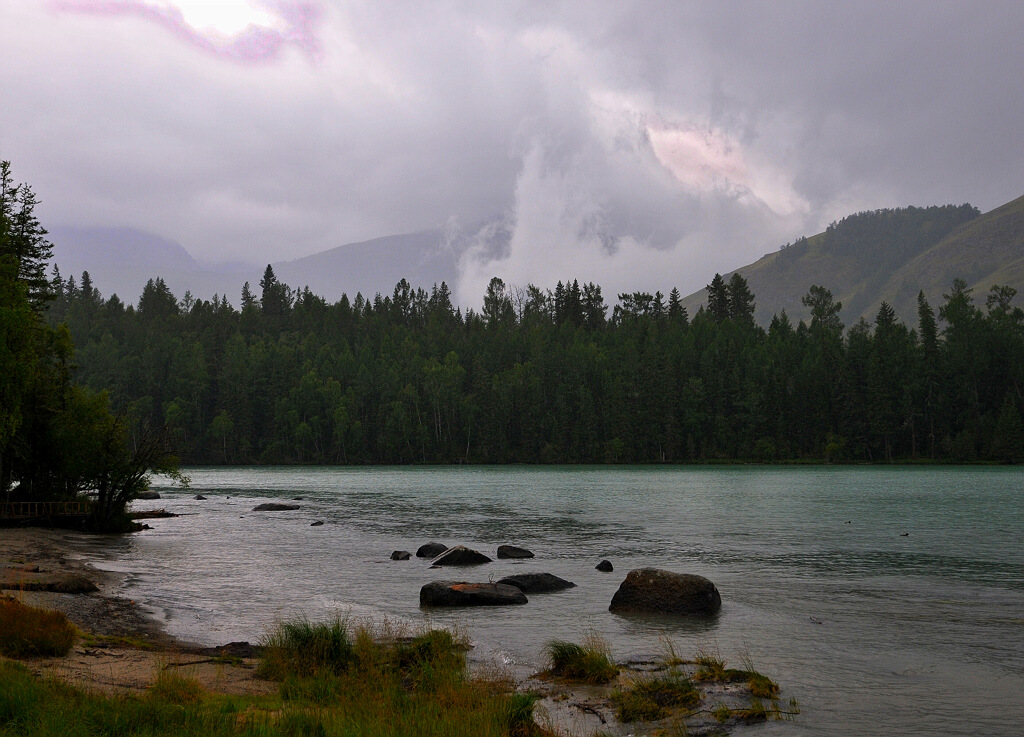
(589, 662)
(649, 698)
(304, 648)
(174, 688)
(27, 631)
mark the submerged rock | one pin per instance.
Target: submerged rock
(430, 550)
(651, 590)
(401, 555)
(199, 498)
(460, 555)
(148, 495)
(511, 551)
(318, 523)
(460, 593)
(605, 566)
(537, 583)
(274, 507)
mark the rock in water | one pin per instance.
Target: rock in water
(537, 583)
(431, 550)
(401, 555)
(650, 590)
(318, 523)
(452, 593)
(148, 495)
(274, 507)
(199, 498)
(605, 566)
(511, 551)
(460, 555)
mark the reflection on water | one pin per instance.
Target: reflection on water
(885, 600)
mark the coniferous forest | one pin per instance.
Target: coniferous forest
(552, 376)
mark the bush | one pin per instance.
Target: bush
(27, 631)
(588, 662)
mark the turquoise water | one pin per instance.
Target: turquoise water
(887, 601)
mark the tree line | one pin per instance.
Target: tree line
(551, 376)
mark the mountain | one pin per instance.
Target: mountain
(890, 255)
(373, 266)
(121, 260)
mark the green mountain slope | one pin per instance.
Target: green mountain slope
(890, 255)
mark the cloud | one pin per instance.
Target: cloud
(643, 146)
(241, 30)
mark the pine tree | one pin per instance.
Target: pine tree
(23, 238)
(718, 299)
(741, 300)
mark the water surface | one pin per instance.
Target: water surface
(887, 601)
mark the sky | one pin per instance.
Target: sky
(640, 145)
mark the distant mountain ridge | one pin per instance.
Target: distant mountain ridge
(121, 260)
(890, 255)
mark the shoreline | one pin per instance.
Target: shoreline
(36, 560)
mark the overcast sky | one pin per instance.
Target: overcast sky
(640, 145)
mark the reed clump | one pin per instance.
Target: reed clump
(27, 631)
(650, 698)
(711, 667)
(589, 662)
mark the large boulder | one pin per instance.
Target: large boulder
(511, 551)
(456, 593)
(460, 555)
(650, 590)
(431, 550)
(274, 507)
(537, 583)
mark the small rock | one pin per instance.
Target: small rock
(511, 551)
(148, 495)
(401, 555)
(605, 566)
(296, 498)
(431, 550)
(653, 590)
(274, 507)
(452, 593)
(460, 555)
(537, 583)
(318, 523)
(199, 498)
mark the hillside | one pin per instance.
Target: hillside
(890, 255)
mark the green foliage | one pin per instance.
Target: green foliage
(589, 662)
(27, 631)
(58, 439)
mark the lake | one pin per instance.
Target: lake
(885, 600)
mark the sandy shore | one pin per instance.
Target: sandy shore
(124, 649)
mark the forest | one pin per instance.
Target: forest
(551, 376)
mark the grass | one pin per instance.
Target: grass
(304, 648)
(649, 698)
(26, 631)
(589, 662)
(335, 679)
